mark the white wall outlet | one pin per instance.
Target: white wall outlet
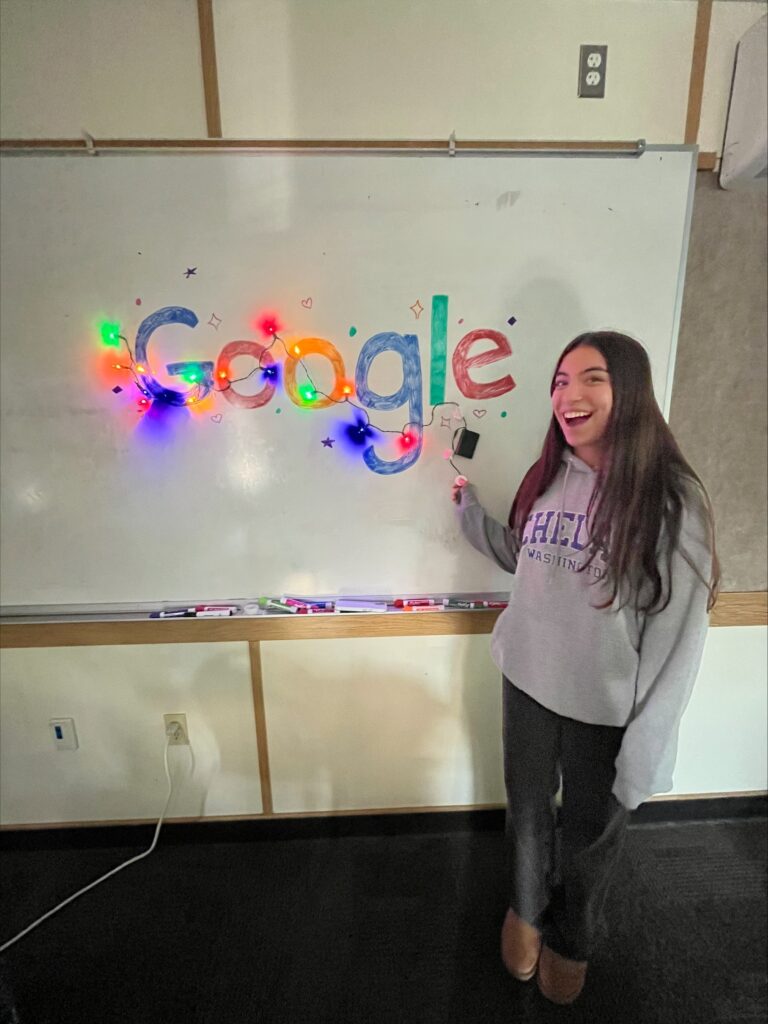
(592, 61)
(180, 738)
(63, 732)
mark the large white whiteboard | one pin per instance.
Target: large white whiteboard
(238, 502)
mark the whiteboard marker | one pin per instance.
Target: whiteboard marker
(279, 606)
(216, 608)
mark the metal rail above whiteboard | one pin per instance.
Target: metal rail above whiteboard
(452, 146)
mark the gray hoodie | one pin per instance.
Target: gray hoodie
(602, 666)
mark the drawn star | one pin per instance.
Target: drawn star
(215, 321)
(328, 442)
(190, 271)
(445, 421)
(417, 308)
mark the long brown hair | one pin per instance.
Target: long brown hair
(642, 488)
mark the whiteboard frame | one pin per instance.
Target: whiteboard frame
(129, 610)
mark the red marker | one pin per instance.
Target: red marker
(415, 602)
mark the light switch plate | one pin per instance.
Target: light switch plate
(63, 732)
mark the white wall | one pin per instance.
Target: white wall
(352, 723)
(486, 68)
(113, 67)
(353, 68)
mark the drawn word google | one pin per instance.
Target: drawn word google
(208, 376)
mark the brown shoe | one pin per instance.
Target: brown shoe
(520, 946)
(560, 980)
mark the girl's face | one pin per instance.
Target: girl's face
(582, 400)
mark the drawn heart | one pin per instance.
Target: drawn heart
(307, 303)
(479, 413)
(216, 418)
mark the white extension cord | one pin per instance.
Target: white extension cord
(172, 730)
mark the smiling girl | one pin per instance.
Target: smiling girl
(611, 540)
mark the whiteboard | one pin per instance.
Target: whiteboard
(106, 502)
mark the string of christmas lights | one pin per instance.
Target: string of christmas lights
(195, 375)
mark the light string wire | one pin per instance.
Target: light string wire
(135, 369)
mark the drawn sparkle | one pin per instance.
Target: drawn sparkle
(328, 442)
(191, 271)
(215, 321)
(117, 389)
(417, 308)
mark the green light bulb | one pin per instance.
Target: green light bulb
(110, 333)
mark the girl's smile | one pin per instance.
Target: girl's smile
(582, 399)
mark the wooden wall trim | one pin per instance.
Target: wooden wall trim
(351, 812)
(260, 717)
(698, 67)
(747, 609)
(210, 72)
(707, 161)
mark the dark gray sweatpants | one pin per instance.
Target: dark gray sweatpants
(559, 877)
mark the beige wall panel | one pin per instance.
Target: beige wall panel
(406, 722)
(120, 68)
(117, 697)
(486, 68)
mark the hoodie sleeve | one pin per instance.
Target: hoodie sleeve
(671, 647)
(489, 537)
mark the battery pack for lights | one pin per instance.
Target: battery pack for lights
(467, 443)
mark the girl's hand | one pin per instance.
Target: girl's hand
(458, 484)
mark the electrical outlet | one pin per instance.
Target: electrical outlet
(182, 739)
(592, 62)
(63, 732)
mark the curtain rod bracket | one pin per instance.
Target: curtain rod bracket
(90, 144)
(452, 144)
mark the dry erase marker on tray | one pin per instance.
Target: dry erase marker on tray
(178, 613)
(225, 608)
(455, 602)
(280, 606)
(415, 602)
(496, 604)
(361, 606)
(422, 608)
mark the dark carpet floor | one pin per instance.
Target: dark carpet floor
(386, 929)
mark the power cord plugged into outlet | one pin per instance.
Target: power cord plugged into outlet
(176, 733)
